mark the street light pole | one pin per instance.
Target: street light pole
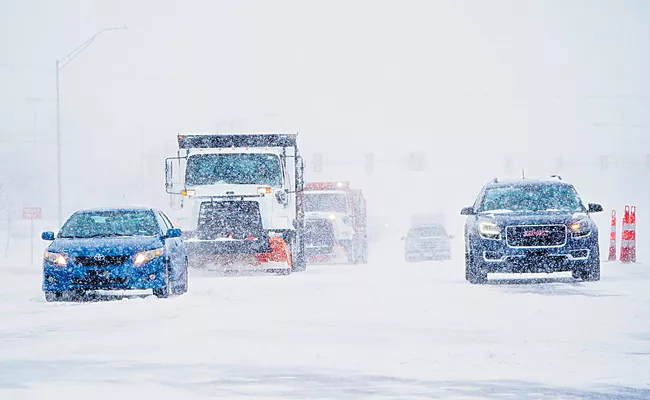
(60, 64)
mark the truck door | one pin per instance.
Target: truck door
(175, 181)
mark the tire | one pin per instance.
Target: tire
(363, 258)
(591, 271)
(165, 291)
(298, 258)
(53, 296)
(351, 253)
(474, 274)
(178, 290)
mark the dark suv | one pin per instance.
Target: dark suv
(531, 226)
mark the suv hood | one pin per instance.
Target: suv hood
(533, 217)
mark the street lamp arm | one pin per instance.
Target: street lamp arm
(63, 61)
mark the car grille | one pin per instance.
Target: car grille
(100, 261)
(536, 235)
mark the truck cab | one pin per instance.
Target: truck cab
(232, 192)
(336, 222)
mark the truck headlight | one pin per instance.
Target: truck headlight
(146, 256)
(489, 230)
(56, 258)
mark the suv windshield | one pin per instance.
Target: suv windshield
(427, 231)
(328, 202)
(236, 169)
(536, 197)
(110, 224)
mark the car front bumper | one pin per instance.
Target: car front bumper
(496, 256)
(151, 275)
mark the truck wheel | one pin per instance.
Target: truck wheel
(351, 253)
(298, 260)
(473, 273)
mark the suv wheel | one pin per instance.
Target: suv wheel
(473, 273)
(590, 272)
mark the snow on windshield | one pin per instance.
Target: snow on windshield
(532, 198)
(326, 202)
(110, 223)
(238, 169)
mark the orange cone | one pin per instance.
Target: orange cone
(612, 238)
(628, 236)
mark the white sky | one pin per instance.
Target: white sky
(465, 81)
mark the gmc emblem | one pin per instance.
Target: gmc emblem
(536, 233)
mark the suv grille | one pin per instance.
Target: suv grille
(85, 261)
(536, 235)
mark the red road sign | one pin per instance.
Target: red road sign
(32, 213)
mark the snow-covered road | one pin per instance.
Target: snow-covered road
(384, 330)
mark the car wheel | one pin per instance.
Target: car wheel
(53, 296)
(165, 291)
(298, 258)
(474, 274)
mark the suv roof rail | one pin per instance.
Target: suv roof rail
(558, 177)
(495, 180)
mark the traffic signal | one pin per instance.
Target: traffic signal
(416, 161)
(318, 162)
(370, 163)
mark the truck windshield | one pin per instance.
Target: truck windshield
(110, 224)
(542, 197)
(234, 169)
(326, 202)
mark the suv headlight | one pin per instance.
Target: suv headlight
(146, 256)
(489, 230)
(56, 258)
(580, 228)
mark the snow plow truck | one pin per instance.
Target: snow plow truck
(238, 199)
(335, 223)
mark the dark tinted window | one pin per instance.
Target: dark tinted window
(237, 169)
(534, 197)
(110, 223)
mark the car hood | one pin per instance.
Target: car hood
(533, 218)
(116, 246)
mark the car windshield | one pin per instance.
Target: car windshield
(236, 169)
(326, 202)
(542, 197)
(427, 231)
(110, 224)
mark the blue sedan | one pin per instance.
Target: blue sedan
(115, 249)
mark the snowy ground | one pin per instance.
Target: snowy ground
(385, 330)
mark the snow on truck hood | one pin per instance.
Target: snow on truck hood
(533, 217)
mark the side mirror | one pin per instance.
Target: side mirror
(173, 233)
(467, 211)
(49, 236)
(281, 197)
(594, 208)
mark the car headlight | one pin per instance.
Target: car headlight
(56, 258)
(146, 256)
(580, 228)
(489, 230)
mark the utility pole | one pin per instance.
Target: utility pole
(60, 64)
